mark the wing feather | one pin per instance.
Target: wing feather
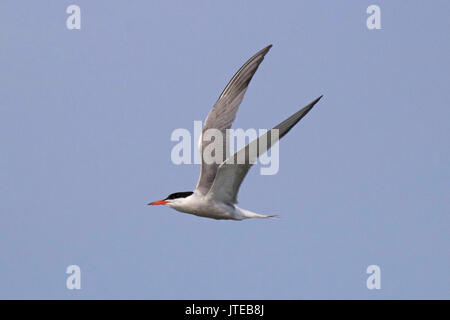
(223, 114)
(230, 174)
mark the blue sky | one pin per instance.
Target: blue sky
(85, 123)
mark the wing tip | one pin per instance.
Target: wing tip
(248, 69)
(266, 49)
(313, 103)
(261, 53)
(317, 99)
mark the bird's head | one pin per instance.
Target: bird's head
(172, 199)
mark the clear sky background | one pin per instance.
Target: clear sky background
(85, 123)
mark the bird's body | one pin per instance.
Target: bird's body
(216, 193)
(205, 206)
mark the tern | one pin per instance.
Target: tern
(215, 195)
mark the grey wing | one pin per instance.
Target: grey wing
(223, 114)
(232, 172)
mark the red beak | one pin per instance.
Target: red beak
(157, 202)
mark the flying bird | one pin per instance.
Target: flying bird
(215, 195)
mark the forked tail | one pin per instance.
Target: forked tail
(248, 214)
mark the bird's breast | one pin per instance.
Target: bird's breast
(205, 207)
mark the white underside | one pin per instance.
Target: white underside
(203, 206)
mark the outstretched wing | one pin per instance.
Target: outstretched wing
(230, 174)
(223, 114)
